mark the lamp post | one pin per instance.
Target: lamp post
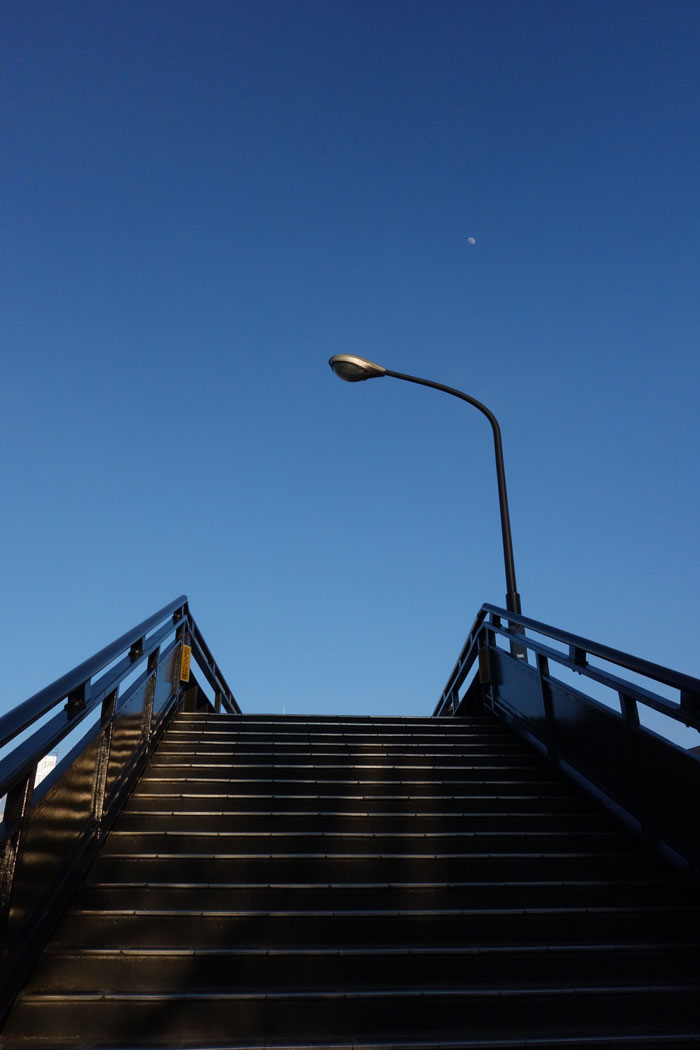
(355, 369)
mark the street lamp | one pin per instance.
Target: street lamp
(355, 369)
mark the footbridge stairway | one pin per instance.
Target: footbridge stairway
(298, 881)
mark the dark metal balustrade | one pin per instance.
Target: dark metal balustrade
(117, 703)
(651, 783)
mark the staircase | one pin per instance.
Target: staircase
(360, 881)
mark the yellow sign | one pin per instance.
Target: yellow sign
(185, 663)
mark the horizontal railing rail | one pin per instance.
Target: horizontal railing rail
(107, 715)
(629, 766)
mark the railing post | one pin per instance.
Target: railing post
(629, 710)
(218, 696)
(17, 807)
(150, 695)
(182, 635)
(484, 662)
(487, 638)
(136, 650)
(76, 701)
(578, 656)
(104, 745)
(690, 701)
(547, 705)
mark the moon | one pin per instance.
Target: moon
(471, 240)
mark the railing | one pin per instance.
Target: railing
(106, 716)
(652, 783)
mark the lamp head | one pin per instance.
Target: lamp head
(354, 369)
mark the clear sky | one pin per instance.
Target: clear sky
(201, 202)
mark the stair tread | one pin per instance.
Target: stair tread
(389, 950)
(515, 855)
(462, 993)
(631, 1041)
(498, 883)
(413, 912)
(356, 814)
(195, 833)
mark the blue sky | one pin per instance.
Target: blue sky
(203, 202)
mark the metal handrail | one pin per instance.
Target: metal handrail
(82, 695)
(21, 717)
(449, 699)
(687, 711)
(632, 769)
(210, 669)
(90, 784)
(25, 756)
(676, 679)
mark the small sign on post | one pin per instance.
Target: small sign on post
(185, 663)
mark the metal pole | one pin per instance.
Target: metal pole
(512, 596)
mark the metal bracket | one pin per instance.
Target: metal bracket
(484, 665)
(690, 702)
(136, 650)
(76, 700)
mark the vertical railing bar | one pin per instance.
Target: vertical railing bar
(16, 818)
(182, 636)
(104, 747)
(77, 699)
(629, 709)
(136, 649)
(487, 641)
(149, 696)
(578, 655)
(177, 684)
(547, 704)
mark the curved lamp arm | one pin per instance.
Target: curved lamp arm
(356, 369)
